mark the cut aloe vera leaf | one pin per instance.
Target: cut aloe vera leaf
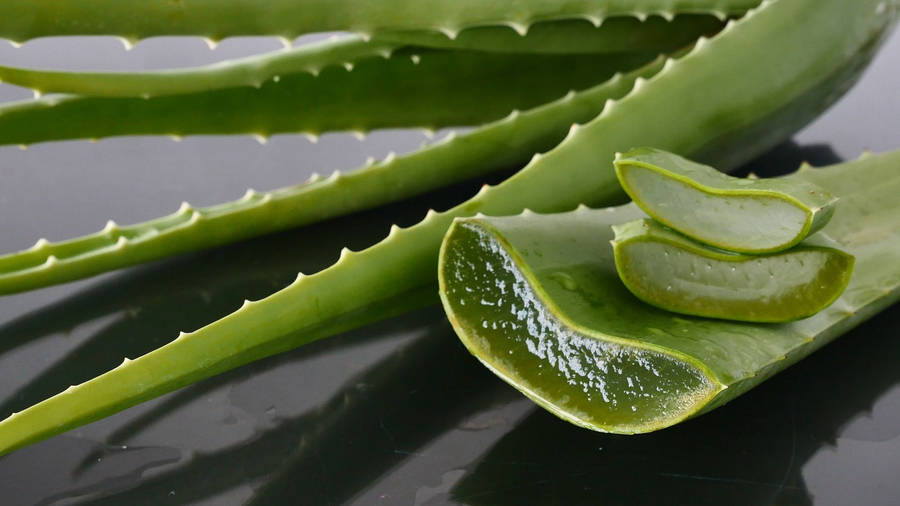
(670, 271)
(735, 214)
(538, 300)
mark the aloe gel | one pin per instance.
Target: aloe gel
(672, 272)
(735, 214)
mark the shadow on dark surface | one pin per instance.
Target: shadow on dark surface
(326, 455)
(787, 157)
(749, 452)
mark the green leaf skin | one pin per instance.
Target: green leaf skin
(668, 270)
(730, 213)
(251, 71)
(734, 82)
(502, 144)
(618, 34)
(433, 90)
(538, 300)
(22, 20)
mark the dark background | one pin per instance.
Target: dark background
(398, 412)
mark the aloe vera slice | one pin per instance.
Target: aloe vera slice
(672, 272)
(538, 300)
(735, 214)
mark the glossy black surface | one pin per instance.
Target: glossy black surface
(398, 412)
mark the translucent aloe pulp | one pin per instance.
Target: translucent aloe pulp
(670, 271)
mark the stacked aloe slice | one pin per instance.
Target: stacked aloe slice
(726, 247)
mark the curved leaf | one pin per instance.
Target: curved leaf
(430, 89)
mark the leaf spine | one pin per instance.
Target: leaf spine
(110, 227)
(667, 66)
(639, 83)
(40, 244)
(360, 135)
(701, 42)
(573, 129)
(286, 42)
(128, 42)
(185, 208)
(610, 104)
(211, 43)
(348, 66)
(451, 33)
(415, 59)
(311, 137)
(261, 138)
(51, 261)
(519, 27)
(594, 19)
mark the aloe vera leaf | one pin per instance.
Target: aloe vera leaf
(734, 214)
(668, 270)
(250, 71)
(696, 93)
(617, 34)
(433, 90)
(494, 146)
(22, 20)
(538, 300)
